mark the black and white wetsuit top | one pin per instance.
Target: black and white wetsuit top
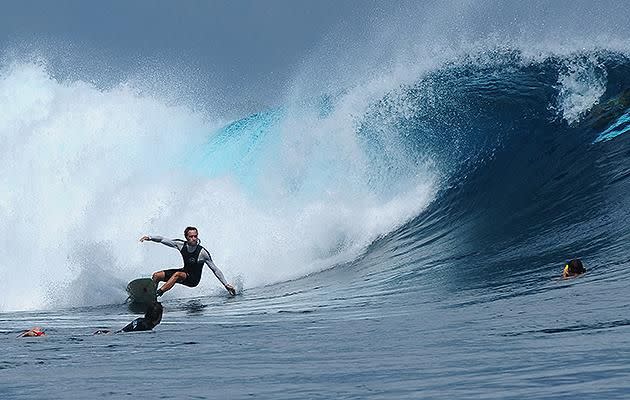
(194, 257)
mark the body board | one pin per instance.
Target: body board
(142, 291)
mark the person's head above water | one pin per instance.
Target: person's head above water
(573, 268)
(153, 315)
(192, 235)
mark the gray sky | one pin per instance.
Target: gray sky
(249, 47)
(241, 55)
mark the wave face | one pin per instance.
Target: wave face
(534, 159)
(527, 158)
(500, 164)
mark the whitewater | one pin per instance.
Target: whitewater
(398, 233)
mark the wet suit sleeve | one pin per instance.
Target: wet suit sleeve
(178, 244)
(138, 324)
(205, 256)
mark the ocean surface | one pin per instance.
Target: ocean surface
(399, 239)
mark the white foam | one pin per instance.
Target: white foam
(84, 172)
(78, 168)
(580, 87)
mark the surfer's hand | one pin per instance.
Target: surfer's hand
(230, 289)
(145, 237)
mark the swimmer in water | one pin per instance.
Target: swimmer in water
(35, 331)
(573, 268)
(152, 317)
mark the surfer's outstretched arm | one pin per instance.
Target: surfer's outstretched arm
(217, 272)
(159, 239)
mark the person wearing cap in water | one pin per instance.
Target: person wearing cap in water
(35, 331)
(573, 268)
(194, 255)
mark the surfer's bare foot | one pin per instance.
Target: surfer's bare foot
(230, 289)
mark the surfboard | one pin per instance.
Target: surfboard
(142, 291)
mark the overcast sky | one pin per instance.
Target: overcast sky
(244, 45)
(246, 51)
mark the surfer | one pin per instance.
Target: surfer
(573, 268)
(152, 317)
(194, 256)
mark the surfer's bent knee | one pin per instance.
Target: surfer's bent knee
(157, 276)
(181, 276)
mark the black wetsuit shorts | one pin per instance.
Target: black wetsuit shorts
(191, 281)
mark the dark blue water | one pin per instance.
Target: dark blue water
(531, 163)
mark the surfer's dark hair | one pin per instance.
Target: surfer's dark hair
(154, 313)
(576, 266)
(188, 229)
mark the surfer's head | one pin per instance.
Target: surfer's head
(153, 315)
(192, 235)
(573, 268)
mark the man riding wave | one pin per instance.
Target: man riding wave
(194, 256)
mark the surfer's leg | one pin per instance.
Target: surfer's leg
(176, 277)
(158, 276)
